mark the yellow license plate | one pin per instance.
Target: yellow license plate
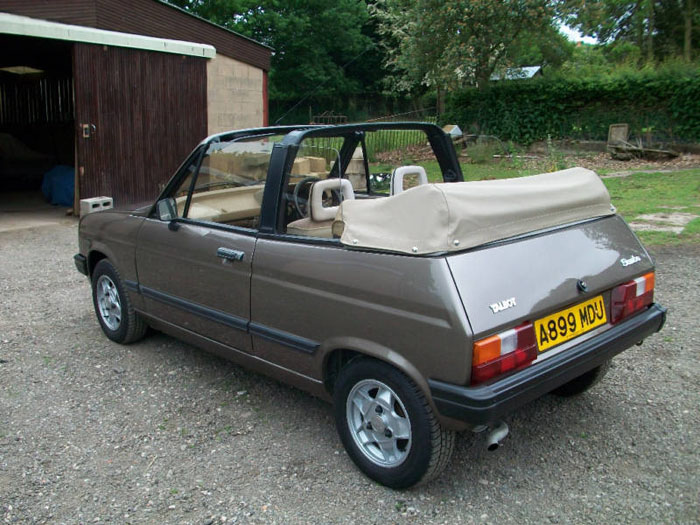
(563, 326)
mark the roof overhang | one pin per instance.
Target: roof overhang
(34, 27)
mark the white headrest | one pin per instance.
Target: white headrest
(399, 173)
(318, 212)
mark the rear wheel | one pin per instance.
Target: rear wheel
(387, 425)
(117, 317)
(583, 382)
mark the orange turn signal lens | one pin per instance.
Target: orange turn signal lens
(503, 352)
(486, 350)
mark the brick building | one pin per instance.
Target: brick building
(120, 90)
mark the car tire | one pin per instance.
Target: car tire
(115, 313)
(387, 425)
(583, 382)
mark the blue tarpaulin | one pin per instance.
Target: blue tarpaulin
(58, 185)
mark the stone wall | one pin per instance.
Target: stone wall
(235, 95)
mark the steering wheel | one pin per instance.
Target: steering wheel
(301, 204)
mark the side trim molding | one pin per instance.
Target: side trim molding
(202, 311)
(281, 337)
(284, 338)
(132, 286)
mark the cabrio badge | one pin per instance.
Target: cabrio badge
(631, 260)
(502, 305)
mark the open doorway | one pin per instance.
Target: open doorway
(37, 126)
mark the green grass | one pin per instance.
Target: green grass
(647, 192)
(644, 193)
(503, 170)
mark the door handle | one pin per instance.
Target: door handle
(230, 255)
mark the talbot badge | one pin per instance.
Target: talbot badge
(502, 305)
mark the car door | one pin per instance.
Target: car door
(194, 267)
(198, 278)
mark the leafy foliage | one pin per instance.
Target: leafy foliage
(321, 47)
(343, 55)
(544, 46)
(659, 29)
(447, 43)
(665, 103)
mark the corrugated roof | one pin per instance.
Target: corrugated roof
(517, 73)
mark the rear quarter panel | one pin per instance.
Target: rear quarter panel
(401, 309)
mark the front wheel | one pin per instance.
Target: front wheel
(387, 425)
(117, 317)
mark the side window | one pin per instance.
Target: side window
(384, 162)
(389, 149)
(228, 188)
(314, 192)
(181, 192)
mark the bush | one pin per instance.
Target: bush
(665, 102)
(482, 152)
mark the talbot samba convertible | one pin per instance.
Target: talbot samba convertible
(355, 263)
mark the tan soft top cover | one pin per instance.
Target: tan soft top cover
(436, 218)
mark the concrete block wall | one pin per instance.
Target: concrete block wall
(234, 95)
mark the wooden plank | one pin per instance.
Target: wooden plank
(78, 12)
(149, 111)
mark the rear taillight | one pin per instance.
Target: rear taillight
(500, 353)
(631, 297)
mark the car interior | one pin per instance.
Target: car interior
(228, 187)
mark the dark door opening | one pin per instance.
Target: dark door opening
(37, 123)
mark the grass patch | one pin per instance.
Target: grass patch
(642, 193)
(646, 193)
(495, 170)
(693, 227)
(482, 153)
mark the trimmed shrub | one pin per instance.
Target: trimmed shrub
(665, 104)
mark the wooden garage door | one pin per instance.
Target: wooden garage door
(138, 114)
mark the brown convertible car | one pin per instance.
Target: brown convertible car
(420, 309)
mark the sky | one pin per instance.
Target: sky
(575, 35)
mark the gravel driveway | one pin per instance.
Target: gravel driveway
(161, 432)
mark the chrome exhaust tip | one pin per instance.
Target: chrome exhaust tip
(496, 434)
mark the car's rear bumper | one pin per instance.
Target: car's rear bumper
(487, 403)
(81, 263)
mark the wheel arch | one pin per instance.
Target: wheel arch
(98, 250)
(338, 355)
(94, 256)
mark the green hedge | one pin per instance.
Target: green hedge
(667, 103)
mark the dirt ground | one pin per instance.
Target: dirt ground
(602, 161)
(161, 432)
(21, 210)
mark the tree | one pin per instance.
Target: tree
(322, 47)
(446, 43)
(659, 28)
(688, 30)
(545, 46)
